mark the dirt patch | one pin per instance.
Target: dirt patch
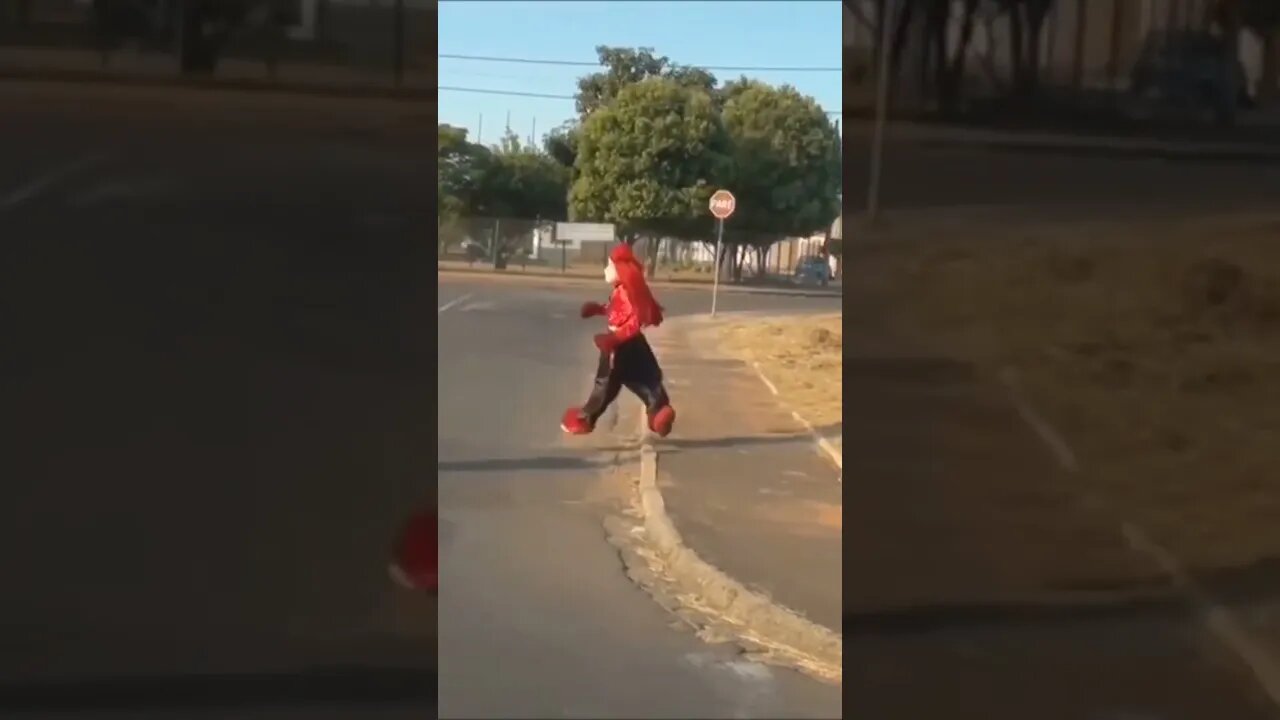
(1153, 346)
(802, 356)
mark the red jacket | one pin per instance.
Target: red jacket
(621, 315)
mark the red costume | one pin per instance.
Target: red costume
(626, 360)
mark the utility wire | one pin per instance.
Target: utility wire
(517, 93)
(584, 63)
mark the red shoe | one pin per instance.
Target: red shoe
(574, 423)
(662, 421)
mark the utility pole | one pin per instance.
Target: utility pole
(882, 111)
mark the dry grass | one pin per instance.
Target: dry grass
(1154, 348)
(801, 356)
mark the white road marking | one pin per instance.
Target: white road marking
(44, 182)
(1221, 622)
(823, 444)
(453, 302)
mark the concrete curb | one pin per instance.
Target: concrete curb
(660, 284)
(783, 634)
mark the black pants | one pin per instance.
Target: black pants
(635, 368)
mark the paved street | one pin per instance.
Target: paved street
(537, 618)
(216, 381)
(1072, 182)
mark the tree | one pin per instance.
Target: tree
(521, 181)
(627, 66)
(507, 185)
(785, 169)
(649, 161)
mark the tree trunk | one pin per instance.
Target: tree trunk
(651, 249)
(1082, 28)
(1035, 17)
(900, 37)
(1117, 34)
(762, 260)
(953, 83)
(939, 19)
(738, 255)
(1017, 54)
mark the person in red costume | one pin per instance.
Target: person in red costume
(626, 360)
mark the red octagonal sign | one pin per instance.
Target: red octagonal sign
(722, 204)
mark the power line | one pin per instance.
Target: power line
(584, 63)
(516, 93)
(548, 96)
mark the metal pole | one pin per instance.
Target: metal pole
(882, 111)
(715, 282)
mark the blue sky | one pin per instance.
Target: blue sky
(755, 34)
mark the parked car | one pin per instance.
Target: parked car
(812, 269)
(1190, 70)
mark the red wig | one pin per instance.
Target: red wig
(631, 278)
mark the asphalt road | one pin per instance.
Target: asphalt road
(216, 383)
(1057, 181)
(537, 619)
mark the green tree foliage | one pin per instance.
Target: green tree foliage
(521, 181)
(623, 67)
(649, 160)
(786, 164)
(461, 167)
(511, 181)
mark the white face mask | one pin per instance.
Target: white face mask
(610, 273)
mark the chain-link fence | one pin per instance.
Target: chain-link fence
(320, 44)
(545, 246)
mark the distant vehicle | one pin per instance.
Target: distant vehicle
(812, 269)
(1191, 70)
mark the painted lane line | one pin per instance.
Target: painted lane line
(454, 302)
(42, 183)
(1221, 622)
(824, 445)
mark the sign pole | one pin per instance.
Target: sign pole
(722, 205)
(715, 282)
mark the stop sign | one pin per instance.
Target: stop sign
(722, 204)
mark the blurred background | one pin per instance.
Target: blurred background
(352, 44)
(1061, 272)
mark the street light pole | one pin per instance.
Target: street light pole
(882, 111)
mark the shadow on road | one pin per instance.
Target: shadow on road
(925, 619)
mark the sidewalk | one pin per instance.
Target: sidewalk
(982, 583)
(743, 483)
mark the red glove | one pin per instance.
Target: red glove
(606, 342)
(592, 309)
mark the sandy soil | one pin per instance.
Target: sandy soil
(802, 357)
(1154, 347)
